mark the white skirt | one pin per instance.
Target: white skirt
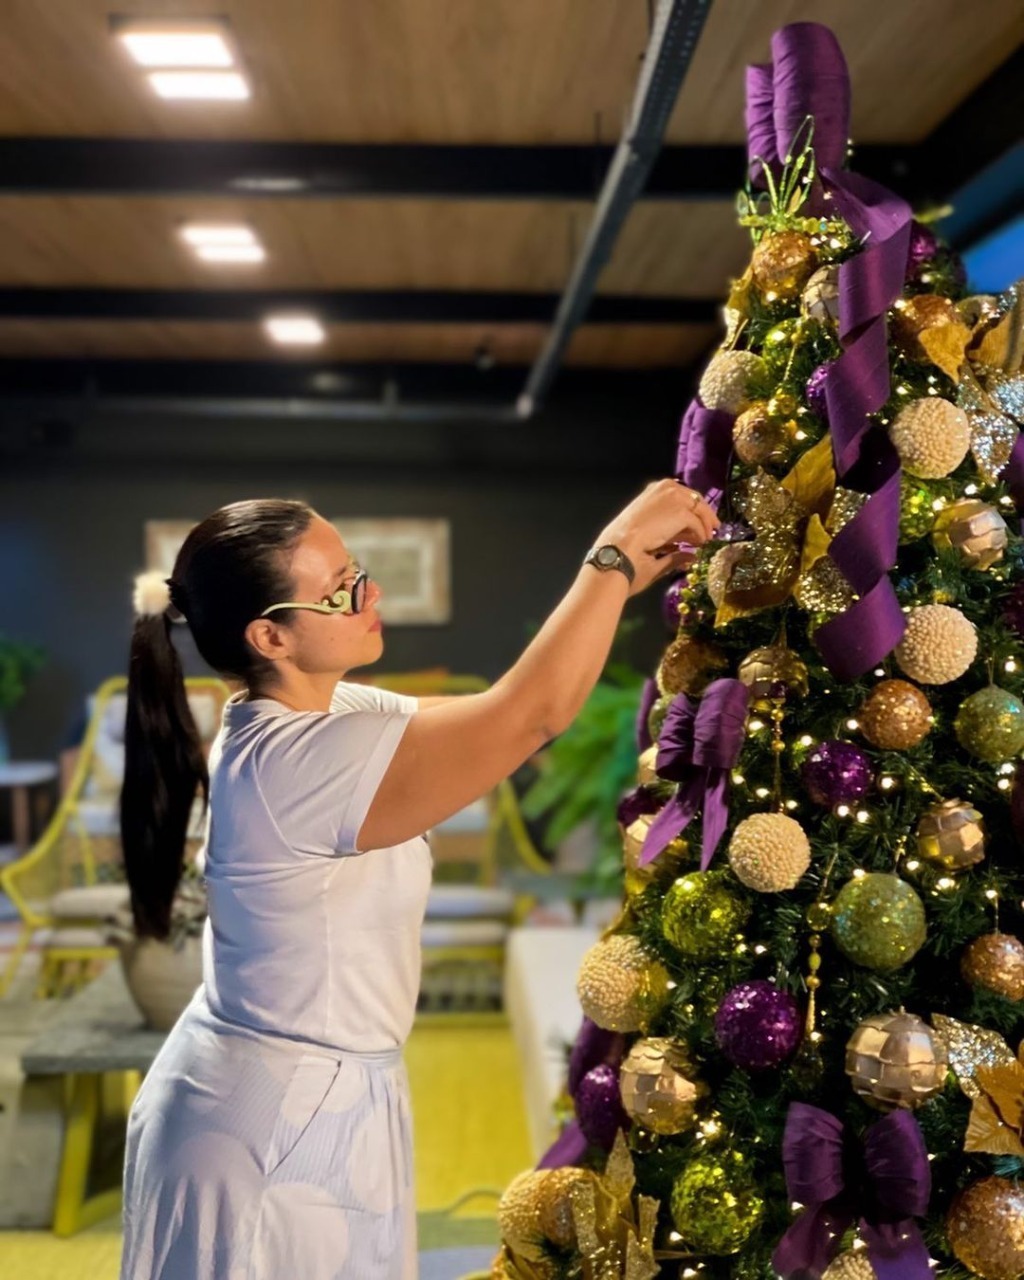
(254, 1157)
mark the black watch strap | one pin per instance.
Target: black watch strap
(610, 556)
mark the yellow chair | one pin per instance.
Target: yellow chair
(80, 848)
(470, 909)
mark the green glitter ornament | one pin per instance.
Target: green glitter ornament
(656, 716)
(990, 725)
(780, 340)
(878, 921)
(917, 516)
(701, 915)
(715, 1204)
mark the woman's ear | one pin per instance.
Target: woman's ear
(270, 640)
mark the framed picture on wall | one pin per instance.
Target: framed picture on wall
(411, 560)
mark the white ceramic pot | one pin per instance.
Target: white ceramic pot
(161, 979)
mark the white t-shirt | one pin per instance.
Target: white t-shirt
(307, 937)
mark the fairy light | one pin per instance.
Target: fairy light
(913, 864)
(859, 873)
(755, 726)
(992, 894)
(739, 779)
(853, 724)
(1005, 501)
(842, 810)
(806, 740)
(879, 671)
(760, 949)
(762, 793)
(970, 490)
(863, 815)
(945, 884)
(938, 504)
(1006, 767)
(792, 804)
(1010, 665)
(1004, 784)
(886, 782)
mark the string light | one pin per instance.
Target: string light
(762, 793)
(1009, 665)
(739, 779)
(945, 883)
(886, 782)
(970, 490)
(859, 873)
(913, 864)
(755, 725)
(842, 811)
(863, 815)
(853, 724)
(1004, 784)
(806, 740)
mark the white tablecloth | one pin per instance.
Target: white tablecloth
(541, 965)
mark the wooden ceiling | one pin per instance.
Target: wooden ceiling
(458, 72)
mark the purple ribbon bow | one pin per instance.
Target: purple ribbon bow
(808, 77)
(884, 1187)
(699, 744)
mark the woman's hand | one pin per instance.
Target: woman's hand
(652, 527)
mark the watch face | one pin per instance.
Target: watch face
(607, 555)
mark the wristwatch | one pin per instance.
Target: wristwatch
(610, 557)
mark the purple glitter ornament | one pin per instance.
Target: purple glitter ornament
(670, 603)
(815, 391)
(837, 773)
(599, 1107)
(1013, 610)
(594, 1045)
(757, 1026)
(923, 247)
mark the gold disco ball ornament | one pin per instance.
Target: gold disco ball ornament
(782, 263)
(658, 1087)
(895, 715)
(974, 529)
(985, 1225)
(773, 671)
(620, 985)
(895, 1060)
(951, 835)
(762, 440)
(995, 962)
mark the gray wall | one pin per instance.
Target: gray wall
(523, 507)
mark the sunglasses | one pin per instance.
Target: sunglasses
(350, 599)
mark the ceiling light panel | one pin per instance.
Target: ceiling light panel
(295, 330)
(200, 86)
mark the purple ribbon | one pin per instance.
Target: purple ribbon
(808, 76)
(705, 448)
(593, 1046)
(699, 744)
(884, 1187)
(1013, 473)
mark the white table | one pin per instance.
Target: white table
(541, 965)
(20, 777)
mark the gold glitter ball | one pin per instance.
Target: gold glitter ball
(895, 715)
(658, 1087)
(932, 437)
(952, 835)
(688, 666)
(896, 1060)
(985, 1225)
(726, 379)
(995, 961)
(519, 1212)
(938, 645)
(823, 589)
(761, 440)
(852, 1265)
(973, 528)
(912, 316)
(782, 264)
(620, 986)
(555, 1208)
(720, 568)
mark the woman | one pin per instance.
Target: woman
(272, 1137)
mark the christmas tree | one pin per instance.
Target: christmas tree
(801, 1048)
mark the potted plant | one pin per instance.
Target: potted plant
(18, 663)
(162, 974)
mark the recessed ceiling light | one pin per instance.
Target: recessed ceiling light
(197, 86)
(231, 252)
(297, 330)
(222, 233)
(183, 48)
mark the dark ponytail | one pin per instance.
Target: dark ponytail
(230, 568)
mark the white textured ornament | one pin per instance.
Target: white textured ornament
(726, 379)
(769, 852)
(938, 645)
(932, 437)
(151, 596)
(853, 1265)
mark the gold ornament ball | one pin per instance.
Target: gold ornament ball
(726, 379)
(995, 961)
(782, 263)
(938, 645)
(687, 666)
(985, 1225)
(658, 712)
(932, 437)
(951, 835)
(658, 1087)
(852, 1265)
(783, 404)
(769, 852)
(895, 715)
(620, 986)
(519, 1212)
(773, 671)
(975, 529)
(912, 316)
(647, 775)
(896, 1060)
(821, 295)
(720, 568)
(555, 1214)
(761, 440)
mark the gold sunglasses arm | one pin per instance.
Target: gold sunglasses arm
(344, 607)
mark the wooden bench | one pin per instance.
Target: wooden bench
(101, 1048)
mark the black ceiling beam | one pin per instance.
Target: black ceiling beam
(407, 306)
(120, 166)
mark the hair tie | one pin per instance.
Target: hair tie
(151, 595)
